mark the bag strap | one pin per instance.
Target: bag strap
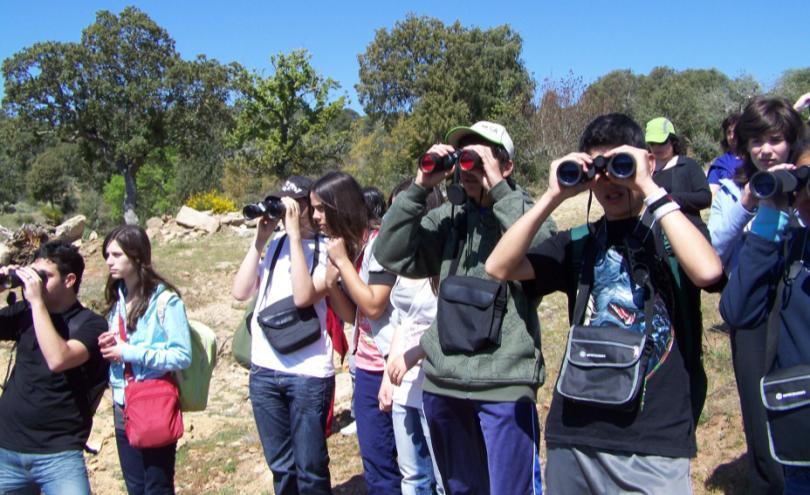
(460, 241)
(585, 256)
(586, 253)
(162, 302)
(793, 264)
(277, 252)
(640, 274)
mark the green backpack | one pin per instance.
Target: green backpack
(240, 347)
(194, 381)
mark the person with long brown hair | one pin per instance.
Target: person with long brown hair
(766, 133)
(155, 344)
(340, 211)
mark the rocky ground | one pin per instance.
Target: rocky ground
(220, 452)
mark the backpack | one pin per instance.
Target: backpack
(194, 381)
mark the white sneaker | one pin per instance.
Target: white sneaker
(350, 429)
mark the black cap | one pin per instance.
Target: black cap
(296, 187)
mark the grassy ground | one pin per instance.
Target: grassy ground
(220, 452)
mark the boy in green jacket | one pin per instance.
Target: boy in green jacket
(479, 403)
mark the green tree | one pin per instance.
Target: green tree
(793, 83)
(48, 178)
(287, 121)
(116, 93)
(19, 146)
(423, 77)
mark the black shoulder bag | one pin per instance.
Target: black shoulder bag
(470, 309)
(605, 366)
(286, 326)
(786, 392)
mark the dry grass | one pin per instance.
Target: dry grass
(221, 453)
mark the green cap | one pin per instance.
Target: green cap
(658, 130)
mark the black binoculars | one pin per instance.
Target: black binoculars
(271, 207)
(768, 185)
(12, 280)
(466, 159)
(621, 166)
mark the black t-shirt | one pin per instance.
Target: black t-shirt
(41, 411)
(664, 424)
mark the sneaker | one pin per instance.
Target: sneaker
(350, 429)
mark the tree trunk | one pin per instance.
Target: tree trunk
(130, 217)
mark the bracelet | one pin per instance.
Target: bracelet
(652, 198)
(665, 209)
(658, 203)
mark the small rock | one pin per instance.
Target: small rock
(5, 254)
(154, 223)
(232, 218)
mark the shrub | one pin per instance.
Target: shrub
(53, 214)
(211, 200)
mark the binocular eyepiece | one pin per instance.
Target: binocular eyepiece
(270, 207)
(768, 185)
(621, 166)
(12, 280)
(466, 159)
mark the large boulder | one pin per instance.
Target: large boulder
(193, 219)
(72, 229)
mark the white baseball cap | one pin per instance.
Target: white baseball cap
(490, 131)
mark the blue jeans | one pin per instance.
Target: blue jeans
(290, 412)
(375, 434)
(59, 473)
(146, 471)
(797, 480)
(419, 472)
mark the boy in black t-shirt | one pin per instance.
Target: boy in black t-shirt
(47, 406)
(645, 447)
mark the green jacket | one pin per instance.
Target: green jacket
(415, 244)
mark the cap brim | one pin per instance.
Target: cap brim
(455, 135)
(656, 138)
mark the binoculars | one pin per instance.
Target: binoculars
(12, 280)
(621, 166)
(270, 207)
(768, 185)
(466, 159)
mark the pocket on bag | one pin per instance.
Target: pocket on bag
(603, 366)
(786, 397)
(470, 313)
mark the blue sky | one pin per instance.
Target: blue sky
(589, 38)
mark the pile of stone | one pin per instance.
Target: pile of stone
(17, 247)
(192, 224)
